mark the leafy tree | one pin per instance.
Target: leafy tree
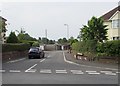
(62, 40)
(25, 36)
(94, 30)
(51, 41)
(12, 38)
(72, 40)
(35, 44)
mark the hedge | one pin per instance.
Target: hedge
(110, 48)
(85, 46)
(15, 47)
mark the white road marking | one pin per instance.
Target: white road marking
(30, 69)
(68, 61)
(42, 60)
(106, 71)
(15, 71)
(76, 71)
(61, 71)
(2, 71)
(45, 71)
(16, 60)
(93, 73)
(111, 74)
(85, 65)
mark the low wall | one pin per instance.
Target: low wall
(7, 56)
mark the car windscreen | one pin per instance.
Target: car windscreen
(34, 49)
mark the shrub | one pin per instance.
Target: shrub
(15, 47)
(12, 38)
(35, 44)
(111, 48)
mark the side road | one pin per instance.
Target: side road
(71, 58)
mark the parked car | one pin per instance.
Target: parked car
(35, 52)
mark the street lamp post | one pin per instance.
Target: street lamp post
(67, 30)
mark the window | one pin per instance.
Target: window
(116, 23)
(116, 38)
(113, 38)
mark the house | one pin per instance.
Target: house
(112, 20)
(2, 30)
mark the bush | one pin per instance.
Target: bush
(111, 48)
(12, 38)
(15, 47)
(35, 44)
(27, 42)
(85, 46)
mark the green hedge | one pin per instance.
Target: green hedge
(110, 48)
(85, 46)
(15, 47)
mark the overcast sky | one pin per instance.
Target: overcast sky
(35, 17)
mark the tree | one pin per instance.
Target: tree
(62, 40)
(72, 40)
(65, 40)
(94, 30)
(51, 41)
(25, 36)
(12, 38)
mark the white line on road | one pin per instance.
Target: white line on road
(15, 71)
(68, 61)
(111, 74)
(42, 60)
(84, 65)
(1, 71)
(106, 71)
(76, 71)
(16, 60)
(93, 73)
(61, 71)
(30, 69)
(45, 71)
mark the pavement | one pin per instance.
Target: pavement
(58, 67)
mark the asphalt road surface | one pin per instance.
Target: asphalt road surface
(55, 69)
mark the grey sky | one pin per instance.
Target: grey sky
(35, 17)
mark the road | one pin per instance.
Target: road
(55, 69)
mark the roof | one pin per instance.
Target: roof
(3, 18)
(108, 15)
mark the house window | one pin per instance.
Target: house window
(116, 23)
(116, 38)
(113, 38)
